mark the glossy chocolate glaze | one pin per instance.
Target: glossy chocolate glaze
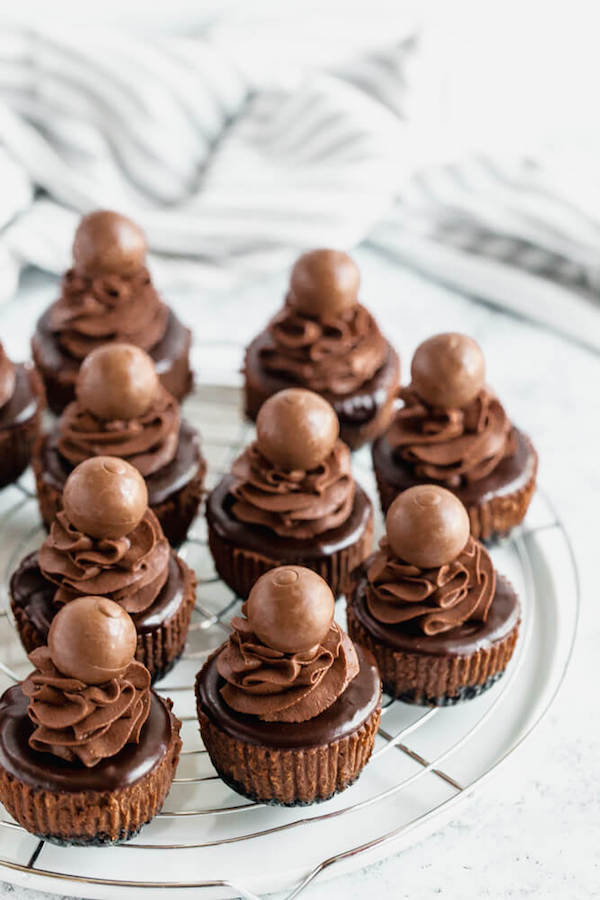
(513, 473)
(34, 595)
(47, 772)
(161, 485)
(353, 409)
(262, 540)
(24, 402)
(343, 717)
(52, 358)
(503, 616)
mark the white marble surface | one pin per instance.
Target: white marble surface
(533, 831)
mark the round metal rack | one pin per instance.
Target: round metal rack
(426, 761)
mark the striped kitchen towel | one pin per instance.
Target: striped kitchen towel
(229, 179)
(233, 174)
(521, 234)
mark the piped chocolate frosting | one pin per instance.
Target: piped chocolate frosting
(108, 294)
(296, 478)
(451, 428)
(428, 573)
(78, 717)
(131, 570)
(323, 338)
(292, 608)
(121, 410)
(106, 541)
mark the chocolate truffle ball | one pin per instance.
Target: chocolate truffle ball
(117, 381)
(92, 639)
(427, 526)
(324, 283)
(290, 609)
(8, 378)
(107, 243)
(448, 370)
(296, 429)
(105, 497)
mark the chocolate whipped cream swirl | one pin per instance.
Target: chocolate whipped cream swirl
(292, 503)
(94, 311)
(284, 687)
(452, 446)
(131, 570)
(148, 442)
(7, 378)
(431, 600)
(76, 721)
(336, 355)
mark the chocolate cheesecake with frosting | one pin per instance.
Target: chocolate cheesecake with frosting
(441, 623)
(108, 296)
(106, 541)
(326, 341)
(21, 405)
(290, 498)
(121, 409)
(289, 707)
(87, 750)
(452, 430)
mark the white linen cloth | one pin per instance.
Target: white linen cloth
(227, 181)
(522, 235)
(232, 176)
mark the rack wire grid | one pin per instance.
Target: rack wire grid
(425, 761)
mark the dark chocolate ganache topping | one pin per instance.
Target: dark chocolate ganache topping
(298, 504)
(431, 600)
(148, 442)
(77, 721)
(94, 310)
(452, 446)
(337, 354)
(130, 570)
(284, 687)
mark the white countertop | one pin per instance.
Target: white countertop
(533, 831)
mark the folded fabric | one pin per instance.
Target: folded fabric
(228, 181)
(512, 232)
(233, 170)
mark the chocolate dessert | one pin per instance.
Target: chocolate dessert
(123, 410)
(108, 296)
(106, 541)
(21, 406)
(87, 750)
(429, 605)
(325, 340)
(289, 707)
(452, 430)
(290, 498)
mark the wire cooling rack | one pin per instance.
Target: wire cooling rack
(212, 841)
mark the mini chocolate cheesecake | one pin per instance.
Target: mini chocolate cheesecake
(108, 296)
(289, 707)
(452, 430)
(107, 541)
(87, 750)
(429, 605)
(123, 410)
(21, 406)
(325, 340)
(290, 499)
